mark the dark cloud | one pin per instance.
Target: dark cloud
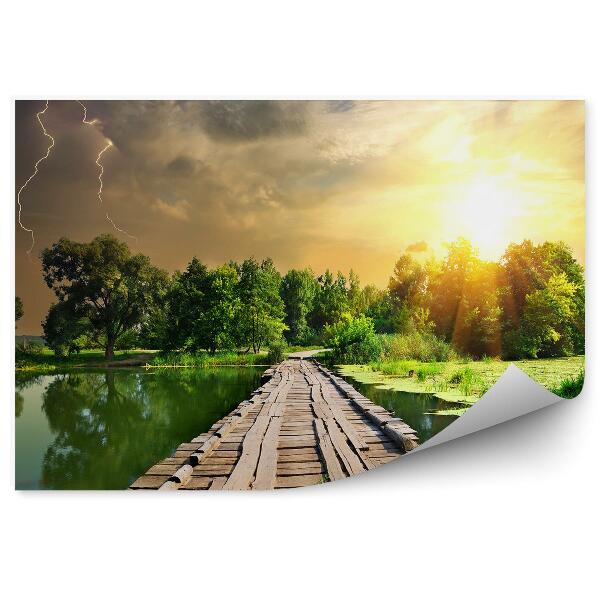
(184, 166)
(335, 106)
(247, 120)
(417, 247)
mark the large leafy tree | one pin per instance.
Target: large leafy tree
(262, 309)
(547, 318)
(103, 281)
(377, 305)
(535, 280)
(298, 290)
(66, 331)
(187, 302)
(408, 282)
(203, 307)
(331, 300)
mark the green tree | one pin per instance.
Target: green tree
(187, 303)
(66, 331)
(547, 317)
(262, 309)
(298, 291)
(408, 283)
(354, 294)
(331, 300)
(202, 308)
(104, 282)
(18, 308)
(447, 284)
(218, 324)
(525, 270)
(377, 305)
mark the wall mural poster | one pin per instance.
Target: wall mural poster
(257, 294)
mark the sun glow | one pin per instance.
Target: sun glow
(485, 212)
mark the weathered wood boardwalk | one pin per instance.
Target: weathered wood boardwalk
(303, 426)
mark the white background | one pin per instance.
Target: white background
(511, 512)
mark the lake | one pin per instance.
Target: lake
(100, 429)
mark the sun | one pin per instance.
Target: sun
(485, 211)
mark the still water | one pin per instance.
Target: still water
(413, 408)
(100, 429)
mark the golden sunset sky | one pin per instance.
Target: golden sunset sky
(326, 184)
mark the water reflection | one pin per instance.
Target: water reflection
(109, 426)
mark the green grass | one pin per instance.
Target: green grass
(204, 359)
(570, 387)
(465, 381)
(301, 348)
(45, 360)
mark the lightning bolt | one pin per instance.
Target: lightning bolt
(35, 172)
(101, 172)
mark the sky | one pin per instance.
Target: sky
(321, 184)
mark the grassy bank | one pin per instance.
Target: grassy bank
(204, 359)
(45, 360)
(464, 382)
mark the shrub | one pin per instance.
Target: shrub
(353, 339)
(421, 346)
(276, 351)
(28, 349)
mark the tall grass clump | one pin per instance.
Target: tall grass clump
(468, 381)
(418, 346)
(204, 359)
(570, 387)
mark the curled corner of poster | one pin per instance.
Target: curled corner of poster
(513, 395)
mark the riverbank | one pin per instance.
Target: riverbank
(464, 382)
(44, 361)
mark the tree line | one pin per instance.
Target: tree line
(530, 303)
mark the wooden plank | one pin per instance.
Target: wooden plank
(161, 469)
(218, 483)
(312, 468)
(348, 429)
(197, 483)
(295, 443)
(266, 471)
(334, 469)
(149, 482)
(213, 470)
(296, 458)
(292, 481)
(351, 461)
(243, 472)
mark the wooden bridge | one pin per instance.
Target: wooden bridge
(303, 426)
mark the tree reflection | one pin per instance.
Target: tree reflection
(19, 402)
(23, 380)
(112, 425)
